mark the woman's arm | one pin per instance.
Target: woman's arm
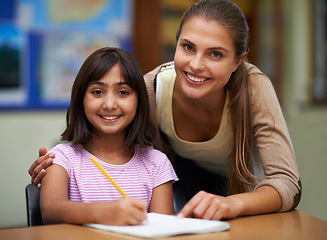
(56, 208)
(209, 206)
(162, 199)
(274, 148)
(37, 170)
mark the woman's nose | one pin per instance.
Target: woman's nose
(197, 63)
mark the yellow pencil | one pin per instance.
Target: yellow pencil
(110, 179)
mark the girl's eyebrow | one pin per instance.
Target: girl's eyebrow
(96, 83)
(102, 83)
(122, 83)
(212, 48)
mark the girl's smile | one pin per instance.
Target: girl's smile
(110, 103)
(110, 118)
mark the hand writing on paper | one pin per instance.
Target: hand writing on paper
(125, 211)
(209, 206)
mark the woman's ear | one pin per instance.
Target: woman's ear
(240, 60)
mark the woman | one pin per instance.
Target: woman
(219, 121)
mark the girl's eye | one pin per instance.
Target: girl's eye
(97, 92)
(123, 92)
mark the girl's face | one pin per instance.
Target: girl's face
(110, 104)
(204, 58)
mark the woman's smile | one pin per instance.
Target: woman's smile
(195, 78)
(204, 65)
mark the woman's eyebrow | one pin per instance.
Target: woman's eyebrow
(219, 49)
(212, 48)
(188, 41)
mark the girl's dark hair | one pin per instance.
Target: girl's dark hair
(79, 130)
(229, 15)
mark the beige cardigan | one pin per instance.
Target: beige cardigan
(272, 141)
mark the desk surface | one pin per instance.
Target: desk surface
(291, 225)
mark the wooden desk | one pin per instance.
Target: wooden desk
(294, 225)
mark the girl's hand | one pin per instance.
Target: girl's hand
(126, 211)
(37, 169)
(209, 206)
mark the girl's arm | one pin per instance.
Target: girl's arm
(56, 208)
(209, 206)
(162, 199)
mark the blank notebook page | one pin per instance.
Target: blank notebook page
(160, 225)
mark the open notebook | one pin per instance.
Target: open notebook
(160, 225)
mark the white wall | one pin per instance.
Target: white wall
(21, 135)
(309, 134)
(307, 123)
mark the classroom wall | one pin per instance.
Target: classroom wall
(22, 133)
(307, 123)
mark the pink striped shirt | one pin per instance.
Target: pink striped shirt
(147, 169)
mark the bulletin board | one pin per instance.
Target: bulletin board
(43, 43)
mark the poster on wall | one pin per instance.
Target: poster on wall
(48, 40)
(12, 85)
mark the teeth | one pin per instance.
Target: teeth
(109, 118)
(195, 79)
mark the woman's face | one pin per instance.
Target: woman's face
(204, 58)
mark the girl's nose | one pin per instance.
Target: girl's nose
(197, 63)
(109, 103)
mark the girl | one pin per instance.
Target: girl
(107, 120)
(219, 120)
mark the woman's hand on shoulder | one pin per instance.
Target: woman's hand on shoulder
(209, 206)
(37, 169)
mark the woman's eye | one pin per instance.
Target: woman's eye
(216, 54)
(187, 47)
